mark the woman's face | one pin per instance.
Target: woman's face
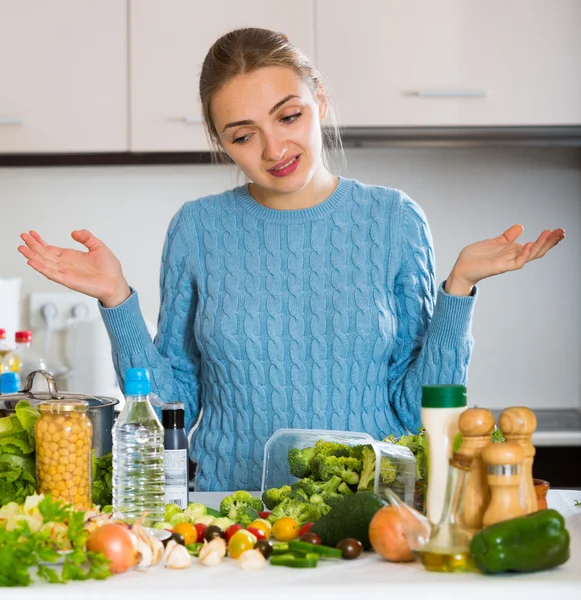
(269, 123)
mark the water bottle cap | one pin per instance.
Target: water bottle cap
(137, 382)
(9, 383)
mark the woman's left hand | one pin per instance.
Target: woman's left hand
(497, 255)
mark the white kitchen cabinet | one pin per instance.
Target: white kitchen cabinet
(452, 62)
(169, 40)
(63, 76)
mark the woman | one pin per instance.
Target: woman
(301, 300)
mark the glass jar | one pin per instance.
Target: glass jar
(63, 436)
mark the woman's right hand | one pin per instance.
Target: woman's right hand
(96, 273)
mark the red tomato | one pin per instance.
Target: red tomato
(232, 530)
(264, 514)
(201, 529)
(305, 528)
(257, 533)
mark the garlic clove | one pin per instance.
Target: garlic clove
(211, 559)
(176, 556)
(157, 550)
(146, 555)
(217, 545)
(251, 560)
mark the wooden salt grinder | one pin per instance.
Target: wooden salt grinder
(504, 466)
(476, 426)
(518, 424)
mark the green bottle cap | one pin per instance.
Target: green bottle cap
(443, 396)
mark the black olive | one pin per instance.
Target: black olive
(311, 538)
(264, 547)
(350, 547)
(177, 537)
(212, 532)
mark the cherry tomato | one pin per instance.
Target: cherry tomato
(263, 525)
(265, 548)
(257, 533)
(285, 529)
(201, 529)
(311, 538)
(264, 514)
(188, 531)
(232, 530)
(240, 542)
(350, 547)
(212, 531)
(305, 528)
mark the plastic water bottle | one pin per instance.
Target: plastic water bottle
(138, 476)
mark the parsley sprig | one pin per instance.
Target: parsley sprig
(21, 549)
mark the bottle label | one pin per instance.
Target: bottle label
(175, 466)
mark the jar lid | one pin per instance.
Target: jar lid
(443, 396)
(62, 406)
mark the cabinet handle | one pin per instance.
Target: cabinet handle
(451, 93)
(9, 121)
(193, 120)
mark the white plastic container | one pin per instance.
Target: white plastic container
(442, 406)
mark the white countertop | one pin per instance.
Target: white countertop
(368, 578)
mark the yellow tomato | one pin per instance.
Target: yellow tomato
(262, 525)
(240, 542)
(188, 531)
(285, 529)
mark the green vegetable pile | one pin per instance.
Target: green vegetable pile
(102, 480)
(194, 513)
(17, 466)
(35, 533)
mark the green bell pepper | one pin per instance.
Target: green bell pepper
(295, 561)
(533, 542)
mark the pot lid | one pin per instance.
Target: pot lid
(9, 401)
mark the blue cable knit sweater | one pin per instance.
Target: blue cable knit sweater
(319, 318)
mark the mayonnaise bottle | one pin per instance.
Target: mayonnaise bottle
(442, 406)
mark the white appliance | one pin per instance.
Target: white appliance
(10, 307)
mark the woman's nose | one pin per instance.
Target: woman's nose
(274, 148)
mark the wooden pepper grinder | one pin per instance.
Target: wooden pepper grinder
(476, 426)
(518, 424)
(504, 466)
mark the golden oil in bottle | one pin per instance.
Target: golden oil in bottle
(449, 561)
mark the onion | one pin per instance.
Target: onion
(387, 537)
(118, 545)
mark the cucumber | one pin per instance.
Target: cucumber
(350, 518)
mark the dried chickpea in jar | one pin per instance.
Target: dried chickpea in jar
(64, 437)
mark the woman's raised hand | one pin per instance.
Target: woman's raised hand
(96, 273)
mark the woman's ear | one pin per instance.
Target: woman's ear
(323, 103)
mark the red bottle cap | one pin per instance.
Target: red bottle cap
(23, 337)
(2, 334)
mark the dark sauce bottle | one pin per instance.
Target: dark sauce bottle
(176, 455)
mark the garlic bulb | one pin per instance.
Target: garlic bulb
(176, 556)
(213, 552)
(251, 560)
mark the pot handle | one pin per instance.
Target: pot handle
(49, 379)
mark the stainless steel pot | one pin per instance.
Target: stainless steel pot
(100, 411)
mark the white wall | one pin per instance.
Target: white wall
(527, 324)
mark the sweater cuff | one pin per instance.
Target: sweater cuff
(126, 326)
(452, 321)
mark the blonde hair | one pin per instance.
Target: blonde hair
(245, 50)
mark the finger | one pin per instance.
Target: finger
(510, 235)
(52, 249)
(37, 248)
(86, 238)
(525, 255)
(551, 242)
(539, 244)
(49, 272)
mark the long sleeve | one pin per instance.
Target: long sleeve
(434, 341)
(172, 358)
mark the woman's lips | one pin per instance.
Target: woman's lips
(285, 167)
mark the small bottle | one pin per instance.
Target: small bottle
(9, 383)
(138, 479)
(24, 359)
(448, 549)
(442, 406)
(4, 348)
(476, 426)
(175, 456)
(518, 424)
(504, 464)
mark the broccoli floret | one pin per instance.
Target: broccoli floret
(418, 446)
(246, 515)
(367, 476)
(302, 512)
(322, 449)
(345, 490)
(299, 462)
(387, 471)
(231, 505)
(275, 496)
(307, 485)
(344, 467)
(333, 500)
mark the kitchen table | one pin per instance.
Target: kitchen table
(368, 577)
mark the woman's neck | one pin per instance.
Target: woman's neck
(319, 188)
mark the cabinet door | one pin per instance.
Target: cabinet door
(452, 62)
(169, 41)
(63, 76)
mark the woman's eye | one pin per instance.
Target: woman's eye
(291, 118)
(242, 139)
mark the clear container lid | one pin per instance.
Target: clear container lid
(401, 478)
(58, 407)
